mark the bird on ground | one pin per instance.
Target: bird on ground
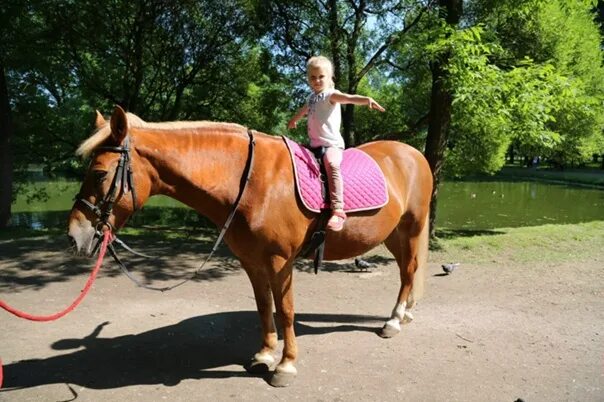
(450, 267)
(362, 264)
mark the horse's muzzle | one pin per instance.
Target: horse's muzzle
(81, 239)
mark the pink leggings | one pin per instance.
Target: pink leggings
(333, 159)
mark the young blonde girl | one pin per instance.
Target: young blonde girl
(323, 121)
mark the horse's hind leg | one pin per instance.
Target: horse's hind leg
(263, 360)
(405, 243)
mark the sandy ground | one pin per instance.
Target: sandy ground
(495, 332)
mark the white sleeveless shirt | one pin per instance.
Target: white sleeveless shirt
(324, 120)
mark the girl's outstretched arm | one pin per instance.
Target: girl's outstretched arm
(293, 123)
(340, 97)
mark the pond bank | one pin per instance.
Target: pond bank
(588, 177)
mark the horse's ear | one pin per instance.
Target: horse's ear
(119, 125)
(99, 120)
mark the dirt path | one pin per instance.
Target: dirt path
(495, 332)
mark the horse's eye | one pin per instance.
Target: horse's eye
(99, 176)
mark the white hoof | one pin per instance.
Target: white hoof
(391, 328)
(407, 318)
(284, 375)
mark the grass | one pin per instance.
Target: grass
(547, 243)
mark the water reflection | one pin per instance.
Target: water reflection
(488, 205)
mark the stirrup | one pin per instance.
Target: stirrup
(336, 222)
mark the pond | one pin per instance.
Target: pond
(497, 204)
(465, 205)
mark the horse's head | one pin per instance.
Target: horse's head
(108, 195)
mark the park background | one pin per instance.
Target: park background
(505, 98)
(508, 88)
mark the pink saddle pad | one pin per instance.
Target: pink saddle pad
(364, 183)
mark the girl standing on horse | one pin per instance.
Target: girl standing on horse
(324, 119)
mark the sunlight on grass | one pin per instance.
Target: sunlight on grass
(546, 243)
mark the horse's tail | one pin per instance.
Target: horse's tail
(419, 279)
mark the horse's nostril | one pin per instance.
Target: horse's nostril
(72, 241)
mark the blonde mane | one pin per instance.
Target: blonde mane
(104, 132)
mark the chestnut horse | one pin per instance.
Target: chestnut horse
(201, 164)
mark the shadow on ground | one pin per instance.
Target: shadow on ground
(196, 348)
(34, 262)
(455, 233)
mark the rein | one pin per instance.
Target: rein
(73, 305)
(104, 216)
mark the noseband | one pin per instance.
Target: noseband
(123, 181)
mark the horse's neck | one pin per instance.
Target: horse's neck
(201, 169)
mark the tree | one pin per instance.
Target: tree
(6, 163)
(356, 34)
(550, 51)
(471, 83)
(441, 100)
(10, 41)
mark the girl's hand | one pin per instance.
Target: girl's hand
(292, 124)
(374, 105)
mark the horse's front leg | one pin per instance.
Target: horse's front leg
(263, 361)
(283, 294)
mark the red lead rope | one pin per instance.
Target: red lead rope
(19, 313)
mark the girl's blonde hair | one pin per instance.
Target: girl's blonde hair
(320, 61)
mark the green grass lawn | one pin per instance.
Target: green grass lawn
(546, 243)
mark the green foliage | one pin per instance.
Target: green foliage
(530, 74)
(521, 72)
(553, 49)
(196, 59)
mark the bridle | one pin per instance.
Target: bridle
(123, 181)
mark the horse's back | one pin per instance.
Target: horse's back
(406, 171)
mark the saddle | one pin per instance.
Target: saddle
(364, 188)
(364, 183)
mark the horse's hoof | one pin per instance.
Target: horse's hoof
(282, 379)
(407, 318)
(284, 375)
(391, 328)
(260, 364)
(254, 367)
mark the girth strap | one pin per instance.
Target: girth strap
(316, 243)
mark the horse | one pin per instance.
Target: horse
(202, 165)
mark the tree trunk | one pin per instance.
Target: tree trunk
(334, 30)
(348, 126)
(440, 118)
(6, 157)
(440, 110)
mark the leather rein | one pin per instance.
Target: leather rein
(123, 182)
